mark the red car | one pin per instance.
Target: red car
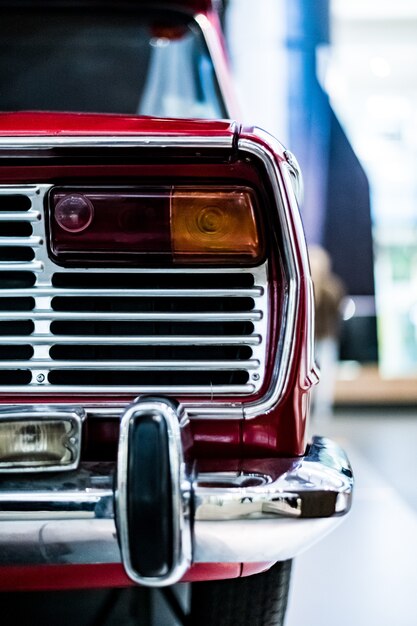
(156, 318)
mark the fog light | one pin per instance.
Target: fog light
(31, 441)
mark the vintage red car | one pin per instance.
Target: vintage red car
(156, 318)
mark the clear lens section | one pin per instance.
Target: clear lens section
(34, 443)
(125, 224)
(74, 213)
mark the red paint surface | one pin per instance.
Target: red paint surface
(249, 569)
(56, 577)
(217, 437)
(273, 467)
(40, 124)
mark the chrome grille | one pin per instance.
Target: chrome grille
(66, 330)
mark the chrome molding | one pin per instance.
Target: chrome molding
(292, 494)
(31, 142)
(81, 392)
(239, 517)
(293, 237)
(259, 517)
(180, 517)
(59, 520)
(290, 223)
(295, 176)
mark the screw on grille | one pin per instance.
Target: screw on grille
(40, 378)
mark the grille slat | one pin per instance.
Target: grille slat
(192, 340)
(105, 389)
(28, 216)
(132, 365)
(144, 293)
(146, 317)
(29, 266)
(106, 331)
(26, 242)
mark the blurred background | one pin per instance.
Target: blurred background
(336, 82)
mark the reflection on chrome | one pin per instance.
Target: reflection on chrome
(311, 488)
(239, 516)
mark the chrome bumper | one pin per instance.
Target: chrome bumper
(225, 516)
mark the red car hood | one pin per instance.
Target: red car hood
(34, 124)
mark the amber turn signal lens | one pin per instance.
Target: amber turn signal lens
(213, 225)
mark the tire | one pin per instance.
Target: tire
(259, 600)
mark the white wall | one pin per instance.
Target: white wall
(255, 30)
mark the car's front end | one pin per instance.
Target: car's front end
(156, 320)
(156, 316)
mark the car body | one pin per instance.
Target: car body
(157, 332)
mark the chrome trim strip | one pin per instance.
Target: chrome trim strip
(214, 412)
(139, 293)
(70, 518)
(82, 502)
(115, 141)
(156, 340)
(39, 314)
(324, 469)
(289, 221)
(312, 373)
(181, 549)
(159, 270)
(24, 266)
(296, 177)
(177, 390)
(192, 411)
(20, 242)
(151, 366)
(21, 216)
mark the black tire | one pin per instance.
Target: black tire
(259, 600)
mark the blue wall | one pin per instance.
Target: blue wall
(336, 209)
